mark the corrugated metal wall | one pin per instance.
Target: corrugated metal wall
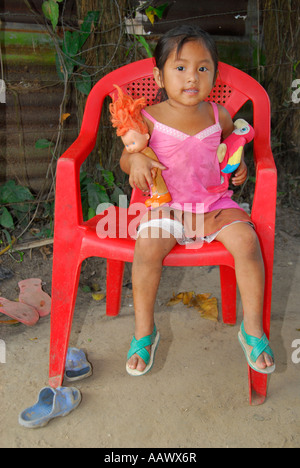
(33, 97)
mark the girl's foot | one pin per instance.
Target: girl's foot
(256, 348)
(137, 363)
(141, 354)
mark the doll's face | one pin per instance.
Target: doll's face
(135, 141)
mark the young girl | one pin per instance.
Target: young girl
(185, 134)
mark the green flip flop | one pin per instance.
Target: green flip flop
(139, 347)
(259, 346)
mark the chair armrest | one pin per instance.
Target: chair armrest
(80, 149)
(87, 138)
(68, 210)
(264, 202)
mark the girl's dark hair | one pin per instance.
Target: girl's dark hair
(178, 37)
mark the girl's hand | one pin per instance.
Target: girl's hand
(241, 174)
(142, 170)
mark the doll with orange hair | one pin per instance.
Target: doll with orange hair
(127, 119)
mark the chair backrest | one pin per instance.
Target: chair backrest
(221, 93)
(233, 89)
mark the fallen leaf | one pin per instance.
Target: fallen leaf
(98, 296)
(175, 299)
(204, 303)
(45, 251)
(197, 300)
(209, 309)
(203, 297)
(187, 297)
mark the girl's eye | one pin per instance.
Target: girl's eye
(180, 68)
(202, 69)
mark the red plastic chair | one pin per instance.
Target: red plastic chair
(75, 240)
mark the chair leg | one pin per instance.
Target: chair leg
(114, 282)
(66, 273)
(257, 387)
(258, 382)
(228, 293)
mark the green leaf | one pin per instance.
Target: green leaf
(151, 12)
(21, 255)
(115, 197)
(90, 20)
(96, 195)
(69, 65)
(12, 193)
(84, 83)
(6, 219)
(51, 11)
(91, 213)
(295, 66)
(43, 143)
(71, 43)
(160, 10)
(145, 44)
(108, 177)
(46, 9)
(7, 235)
(19, 210)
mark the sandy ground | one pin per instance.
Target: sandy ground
(197, 393)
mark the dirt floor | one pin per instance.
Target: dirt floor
(197, 393)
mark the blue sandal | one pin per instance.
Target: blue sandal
(51, 404)
(259, 346)
(77, 366)
(139, 347)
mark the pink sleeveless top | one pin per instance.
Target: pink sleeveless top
(192, 166)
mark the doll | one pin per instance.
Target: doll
(127, 118)
(230, 152)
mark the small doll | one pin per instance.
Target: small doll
(127, 118)
(230, 152)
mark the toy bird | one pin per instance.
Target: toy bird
(230, 152)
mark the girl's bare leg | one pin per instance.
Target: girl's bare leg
(146, 273)
(242, 242)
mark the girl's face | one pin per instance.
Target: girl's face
(188, 78)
